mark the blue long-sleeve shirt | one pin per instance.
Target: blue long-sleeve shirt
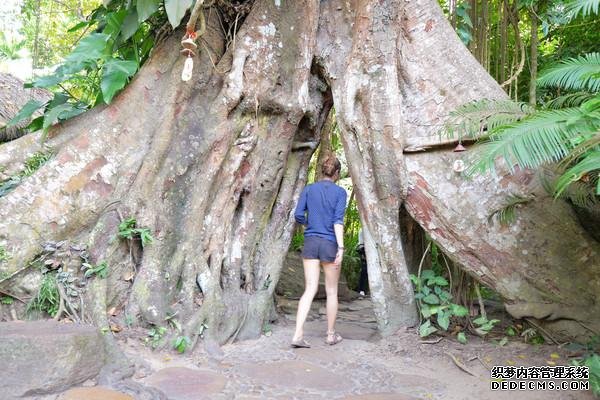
(325, 203)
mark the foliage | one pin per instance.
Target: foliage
(506, 214)
(434, 300)
(569, 136)
(101, 63)
(34, 162)
(464, 26)
(31, 164)
(46, 27)
(591, 359)
(10, 49)
(155, 336)
(6, 300)
(484, 326)
(128, 230)
(48, 298)
(100, 270)
(181, 343)
(4, 254)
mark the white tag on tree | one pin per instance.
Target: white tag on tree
(188, 67)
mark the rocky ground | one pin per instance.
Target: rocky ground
(363, 366)
(42, 357)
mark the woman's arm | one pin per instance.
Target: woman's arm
(300, 213)
(338, 225)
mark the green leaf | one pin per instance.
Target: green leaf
(130, 25)
(427, 274)
(426, 329)
(114, 22)
(480, 320)
(443, 320)
(176, 9)
(90, 48)
(115, 76)
(461, 337)
(146, 8)
(55, 113)
(458, 310)
(431, 299)
(426, 311)
(49, 80)
(26, 112)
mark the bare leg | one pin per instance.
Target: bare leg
(311, 285)
(332, 277)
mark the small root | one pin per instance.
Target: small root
(459, 364)
(434, 341)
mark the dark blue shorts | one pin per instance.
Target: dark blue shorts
(317, 248)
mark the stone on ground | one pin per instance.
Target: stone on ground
(298, 374)
(180, 383)
(94, 393)
(42, 357)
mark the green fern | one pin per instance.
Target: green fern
(475, 119)
(585, 7)
(544, 137)
(581, 73)
(569, 100)
(590, 164)
(507, 214)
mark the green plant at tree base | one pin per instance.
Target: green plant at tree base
(31, 164)
(484, 326)
(181, 343)
(4, 255)
(100, 270)
(128, 230)
(591, 359)
(435, 301)
(6, 300)
(155, 336)
(48, 298)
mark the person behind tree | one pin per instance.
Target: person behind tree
(321, 209)
(363, 280)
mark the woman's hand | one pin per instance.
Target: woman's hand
(339, 256)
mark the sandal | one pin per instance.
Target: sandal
(300, 344)
(336, 338)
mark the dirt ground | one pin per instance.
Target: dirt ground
(363, 366)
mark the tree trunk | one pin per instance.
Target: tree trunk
(533, 65)
(325, 147)
(213, 167)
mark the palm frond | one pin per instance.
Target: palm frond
(589, 165)
(569, 100)
(471, 120)
(507, 214)
(587, 143)
(544, 137)
(579, 193)
(581, 73)
(585, 7)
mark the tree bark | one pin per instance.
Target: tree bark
(214, 166)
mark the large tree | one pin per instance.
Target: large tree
(214, 165)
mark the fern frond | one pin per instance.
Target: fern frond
(471, 120)
(588, 142)
(569, 100)
(590, 164)
(544, 137)
(581, 73)
(507, 214)
(585, 7)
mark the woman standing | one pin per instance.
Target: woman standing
(325, 204)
